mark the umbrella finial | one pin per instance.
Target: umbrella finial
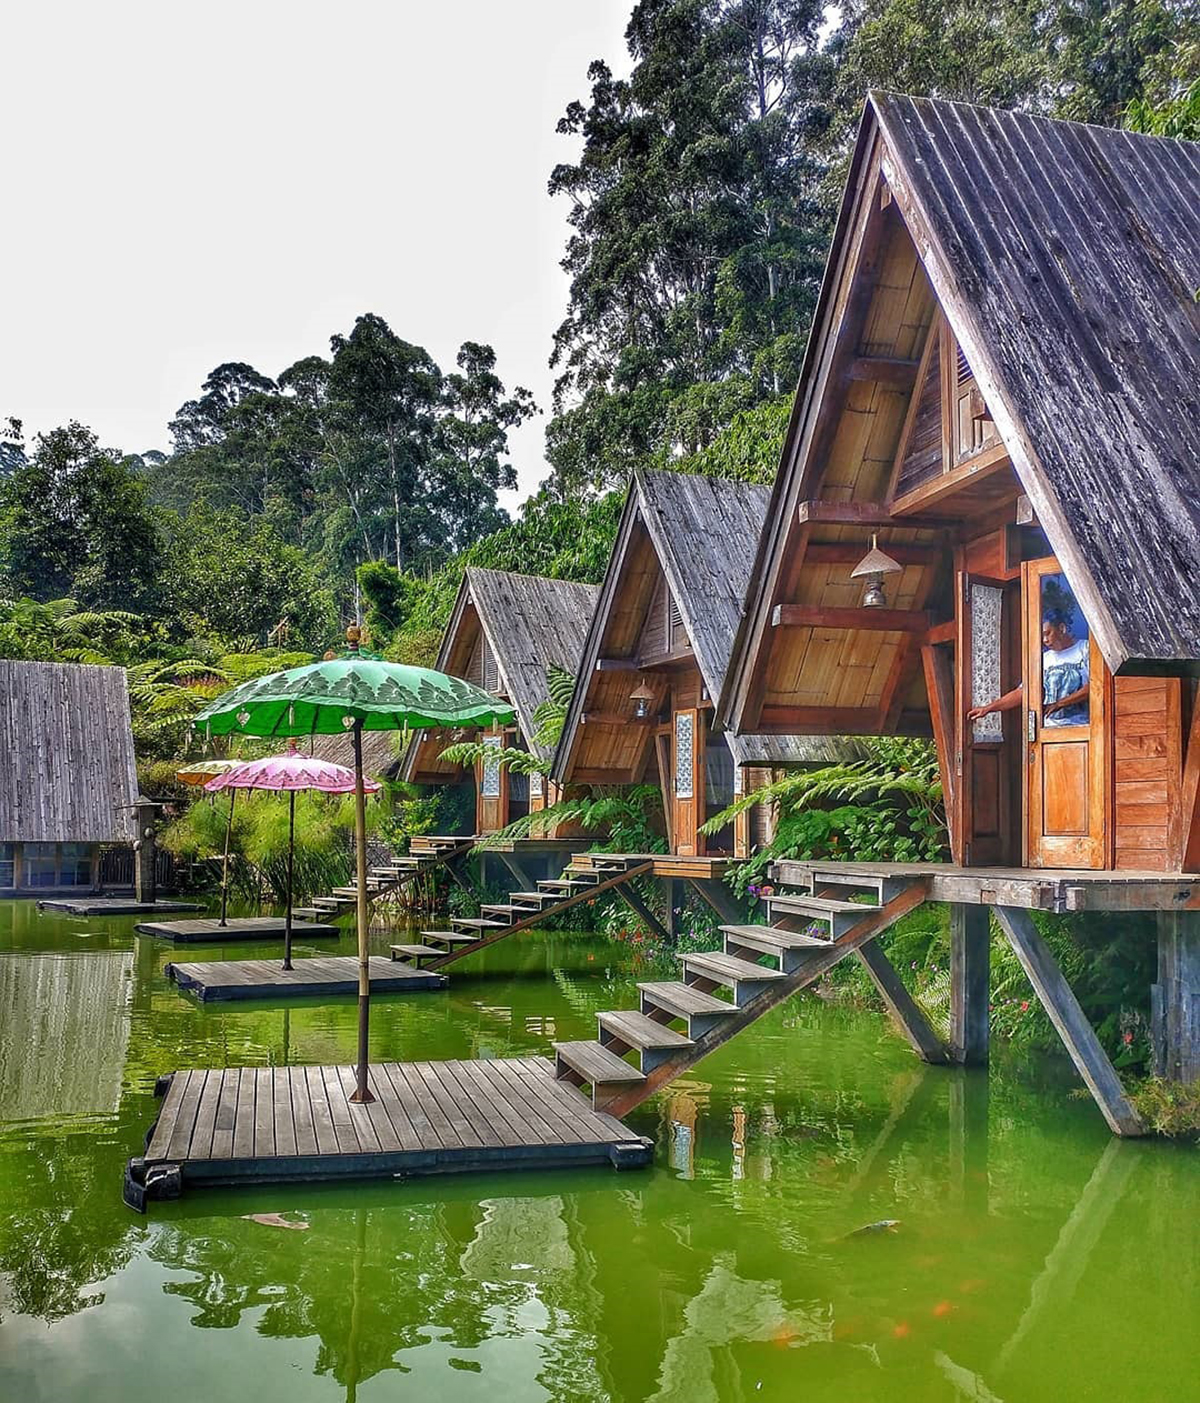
(353, 638)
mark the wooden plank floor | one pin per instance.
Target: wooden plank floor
(278, 1124)
(267, 979)
(209, 930)
(114, 905)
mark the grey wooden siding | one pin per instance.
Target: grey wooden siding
(66, 754)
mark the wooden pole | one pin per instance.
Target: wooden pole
(970, 932)
(362, 1092)
(1079, 1038)
(901, 1004)
(287, 915)
(225, 864)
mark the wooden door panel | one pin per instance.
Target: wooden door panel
(1065, 789)
(491, 791)
(687, 780)
(1068, 788)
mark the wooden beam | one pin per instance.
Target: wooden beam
(945, 632)
(616, 664)
(901, 1004)
(599, 776)
(520, 874)
(642, 911)
(1077, 1034)
(865, 620)
(611, 718)
(866, 514)
(884, 370)
(720, 898)
(970, 955)
(1175, 998)
(851, 552)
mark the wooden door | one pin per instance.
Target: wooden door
(1065, 713)
(987, 647)
(687, 773)
(491, 789)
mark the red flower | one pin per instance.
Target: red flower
(1128, 1038)
(1024, 1005)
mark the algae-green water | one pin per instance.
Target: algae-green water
(1034, 1257)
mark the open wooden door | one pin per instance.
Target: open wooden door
(687, 769)
(988, 652)
(491, 789)
(1065, 713)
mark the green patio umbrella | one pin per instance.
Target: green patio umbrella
(352, 694)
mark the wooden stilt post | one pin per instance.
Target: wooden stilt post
(1079, 1038)
(145, 851)
(970, 931)
(1175, 999)
(671, 896)
(901, 1005)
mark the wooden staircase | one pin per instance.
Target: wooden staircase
(584, 877)
(721, 993)
(424, 854)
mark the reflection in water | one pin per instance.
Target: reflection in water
(731, 1271)
(65, 1027)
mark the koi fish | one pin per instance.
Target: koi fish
(883, 1225)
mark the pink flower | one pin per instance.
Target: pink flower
(1024, 1005)
(1128, 1039)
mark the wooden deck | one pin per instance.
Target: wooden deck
(209, 931)
(327, 975)
(1035, 888)
(696, 869)
(114, 905)
(257, 1125)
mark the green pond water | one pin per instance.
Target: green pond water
(1035, 1257)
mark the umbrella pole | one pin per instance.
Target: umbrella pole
(287, 918)
(362, 1092)
(225, 863)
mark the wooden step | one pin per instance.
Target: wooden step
(307, 913)
(479, 923)
(673, 998)
(541, 897)
(515, 913)
(330, 903)
(786, 945)
(747, 980)
(838, 916)
(564, 886)
(416, 953)
(880, 888)
(587, 1063)
(449, 937)
(625, 1030)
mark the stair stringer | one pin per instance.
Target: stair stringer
(815, 965)
(535, 917)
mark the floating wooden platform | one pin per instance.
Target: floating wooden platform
(267, 979)
(114, 905)
(1036, 888)
(257, 1125)
(209, 930)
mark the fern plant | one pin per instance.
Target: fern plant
(628, 817)
(548, 719)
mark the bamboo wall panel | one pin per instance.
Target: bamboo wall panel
(66, 754)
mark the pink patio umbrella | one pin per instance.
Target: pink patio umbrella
(288, 774)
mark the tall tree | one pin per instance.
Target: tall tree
(75, 520)
(474, 464)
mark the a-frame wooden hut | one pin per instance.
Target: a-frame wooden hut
(69, 784)
(1001, 389)
(656, 655)
(506, 633)
(1000, 394)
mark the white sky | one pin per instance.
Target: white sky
(192, 184)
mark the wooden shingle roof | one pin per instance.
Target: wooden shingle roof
(1067, 259)
(67, 747)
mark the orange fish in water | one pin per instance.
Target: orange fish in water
(274, 1220)
(784, 1335)
(943, 1308)
(972, 1283)
(901, 1330)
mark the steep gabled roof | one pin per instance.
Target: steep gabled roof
(704, 532)
(531, 624)
(65, 735)
(1066, 259)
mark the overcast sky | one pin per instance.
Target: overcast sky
(192, 184)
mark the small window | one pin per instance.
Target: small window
(76, 866)
(490, 786)
(41, 864)
(972, 429)
(8, 865)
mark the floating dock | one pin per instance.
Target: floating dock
(114, 905)
(326, 975)
(270, 1125)
(209, 930)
